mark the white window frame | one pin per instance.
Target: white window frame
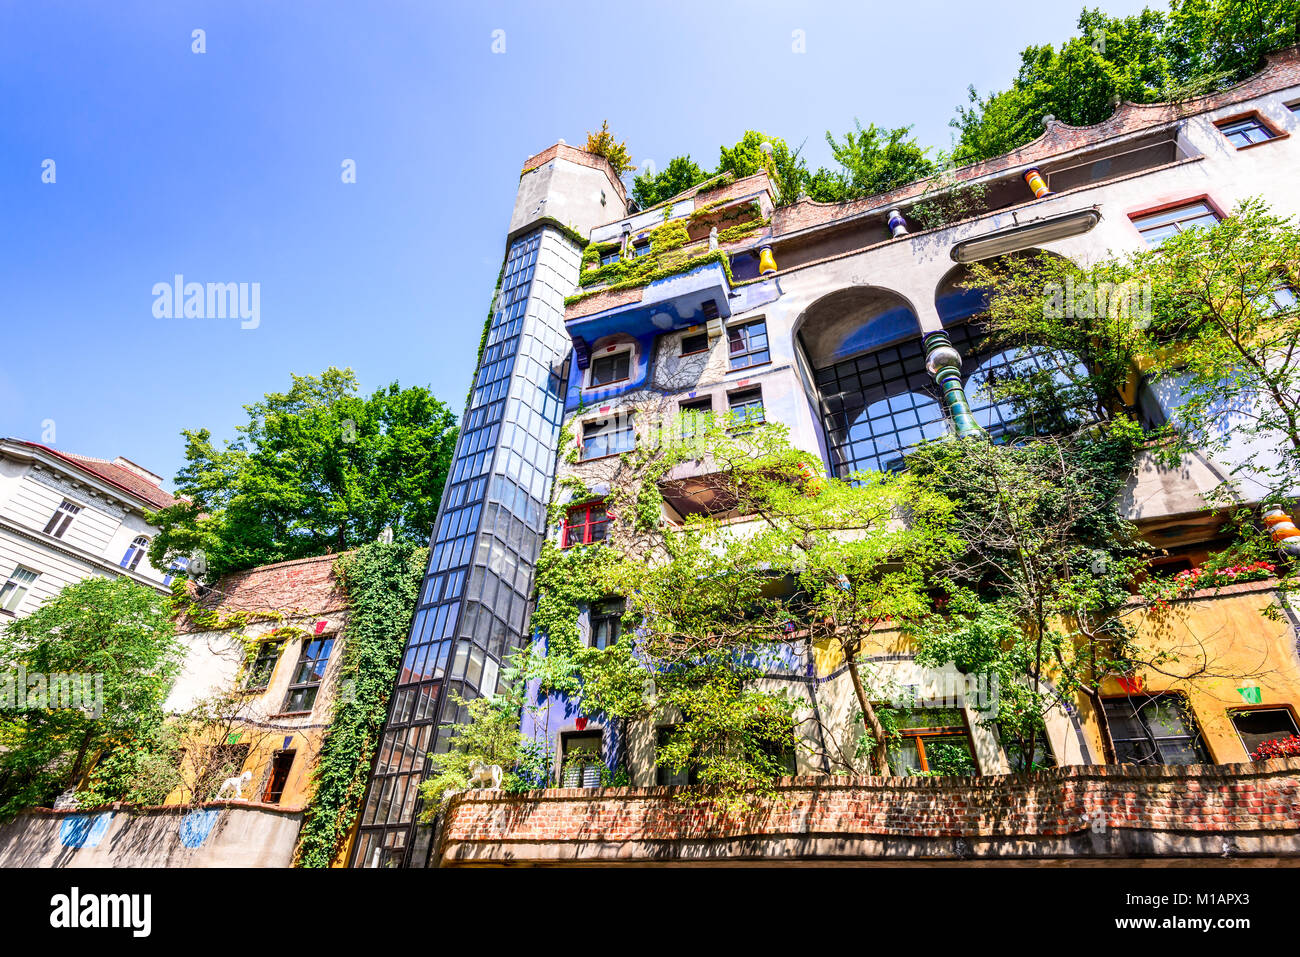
(68, 510)
(589, 376)
(15, 589)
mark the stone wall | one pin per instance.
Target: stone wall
(1114, 812)
(225, 834)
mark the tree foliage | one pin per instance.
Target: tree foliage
(871, 161)
(113, 630)
(603, 143)
(318, 468)
(1197, 47)
(679, 175)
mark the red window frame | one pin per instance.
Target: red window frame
(586, 527)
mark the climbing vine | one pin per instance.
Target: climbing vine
(382, 582)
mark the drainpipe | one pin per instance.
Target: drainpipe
(944, 363)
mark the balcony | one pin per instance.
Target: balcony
(698, 295)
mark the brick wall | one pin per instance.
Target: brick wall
(1219, 811)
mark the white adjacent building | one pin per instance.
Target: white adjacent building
(66, 517)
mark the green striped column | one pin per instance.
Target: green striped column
(944, 363)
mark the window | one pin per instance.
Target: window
(177, 565)
(1158, 730)
(694, 343)
(640, 249)
(61, 519)
(606, 623)
(1294, 107)
(692, 413)
(281, 762)
(878, 405)
(930, 741)
(311, 672)
(1246, 131)
(135, 552)
(580, 766)
(746, 408)
(665, 775)
(585, 524)
(747, 344)
(1261, 725)
(263, 666)
(15, 589)
(608, 437)
(611, 368)
(1157, 227)
(1041, 755)
(610, 257)
(1281, 299)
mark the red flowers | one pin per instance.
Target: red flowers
(1277, 748)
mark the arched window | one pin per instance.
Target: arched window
(134, 553)
(868, 365)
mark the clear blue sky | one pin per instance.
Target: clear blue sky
(225, 167)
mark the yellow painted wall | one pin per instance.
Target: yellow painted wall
(1215, 643)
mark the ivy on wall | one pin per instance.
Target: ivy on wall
(382, 583)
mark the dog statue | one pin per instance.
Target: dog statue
(237, 783)
(486, 775)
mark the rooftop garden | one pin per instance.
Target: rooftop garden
(1197, 47)
(673, 247)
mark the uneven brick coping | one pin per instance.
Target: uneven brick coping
(1244, 811)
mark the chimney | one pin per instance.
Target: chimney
(139, 470)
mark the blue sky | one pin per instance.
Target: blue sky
(225, 167)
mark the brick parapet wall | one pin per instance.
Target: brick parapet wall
(1194, 809)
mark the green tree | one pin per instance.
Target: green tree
(1225, 329)
(1199, 46)
(788, 172)
(1034, 593)
(679, 175)
(872, 161)
(822, 560)
(113, 632)
(318, 468)
(489, 734)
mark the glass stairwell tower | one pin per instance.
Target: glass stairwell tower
(475, 600)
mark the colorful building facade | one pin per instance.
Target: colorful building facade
(850, 324)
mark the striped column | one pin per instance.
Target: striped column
(944, 363)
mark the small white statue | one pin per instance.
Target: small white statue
(237, 783)
(713, 238)
(488, 775)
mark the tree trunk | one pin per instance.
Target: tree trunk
(75, 776)
(1103, 723)
(880, 753)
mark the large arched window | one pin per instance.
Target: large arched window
(134, 553)
(876, 398)
(960, 309)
